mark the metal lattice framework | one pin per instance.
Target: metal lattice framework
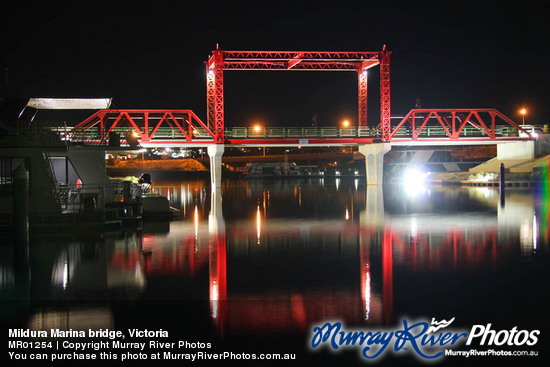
(453, 121)
(302, 61)
(147, 124)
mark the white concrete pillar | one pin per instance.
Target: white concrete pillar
(215, 152)
(374, 161)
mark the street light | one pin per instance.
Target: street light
(345, 123)
(523, 111)
(257, 128)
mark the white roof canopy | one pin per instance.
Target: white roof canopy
(70, 103)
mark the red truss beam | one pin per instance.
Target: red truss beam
(293, 64)
(301, 61)
(298, 60)
(453, 121)
(144, 122)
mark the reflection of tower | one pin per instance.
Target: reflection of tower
(387, 274)
(365, 278)
(218, 261)
(520, 209)
(374, 221)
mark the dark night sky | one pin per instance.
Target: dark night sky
(151, 55)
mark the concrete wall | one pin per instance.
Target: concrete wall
(516, 150)
(542, 145)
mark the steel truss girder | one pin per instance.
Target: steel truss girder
(453, 121)
(144, 122)
(310, 55)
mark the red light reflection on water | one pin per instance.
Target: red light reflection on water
(291, 310)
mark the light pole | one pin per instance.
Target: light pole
(257, 128)
(523, 111)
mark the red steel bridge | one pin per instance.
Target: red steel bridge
(156, 128)
(179, 128)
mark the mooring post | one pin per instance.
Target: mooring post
(126, 190)
(21, 203)
(502, 184)
(22, 274)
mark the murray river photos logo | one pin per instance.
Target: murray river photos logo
(427, 341)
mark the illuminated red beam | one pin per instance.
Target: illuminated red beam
(180, 120)
(294, 64)
(453, 122)
(314, 55)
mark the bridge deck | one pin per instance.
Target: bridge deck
(302, 136)
(155, 128)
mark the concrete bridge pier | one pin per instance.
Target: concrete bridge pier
(215, 152)
(374, 161)
(516, 150)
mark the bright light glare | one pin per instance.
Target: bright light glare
(414, 176)
(258, 223)
(257, 128)
(367, 294)
(196, 220)
(535, 229)
(415, 181)
(345, 123)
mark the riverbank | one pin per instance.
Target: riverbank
(182, 165)
(483, 179)
(159, 169)
(518, 173)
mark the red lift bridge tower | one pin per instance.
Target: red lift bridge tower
(300, 61)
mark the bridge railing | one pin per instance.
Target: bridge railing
(123, 136)
(358, 132)
(300, 132)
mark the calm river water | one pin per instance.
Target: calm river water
(255, 267)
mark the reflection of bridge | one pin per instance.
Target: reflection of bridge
(378, 246)
(375, 242)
